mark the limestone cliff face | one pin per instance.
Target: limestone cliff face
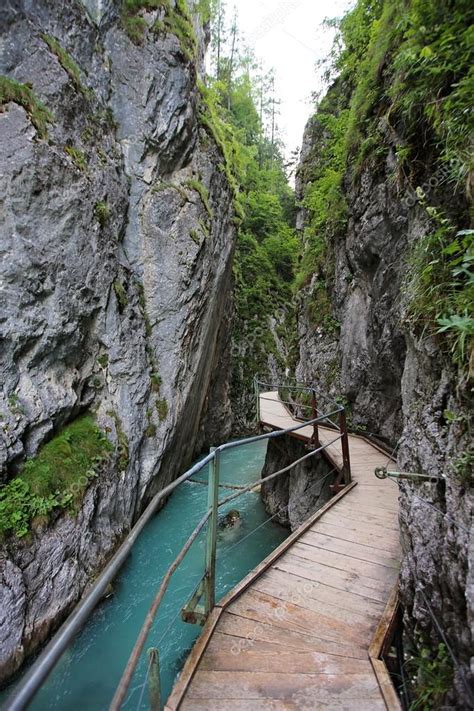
(399, 382)
(116, 247)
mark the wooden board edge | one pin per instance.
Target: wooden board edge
(192, 662)
(282, 548)
(386, 626)
(387, 689)
(379, 647)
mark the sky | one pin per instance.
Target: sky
(287, 35)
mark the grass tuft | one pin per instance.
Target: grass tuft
(23, 95)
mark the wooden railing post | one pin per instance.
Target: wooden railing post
(314, 406)
(213, 501)
(346, 461)
(154, 684)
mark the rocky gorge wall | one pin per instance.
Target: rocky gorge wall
(399, 383)
(293, 497)
(116, 247)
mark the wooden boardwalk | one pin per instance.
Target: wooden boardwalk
(305, 629)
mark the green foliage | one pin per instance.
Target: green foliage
(405, 69)
(23, 95)
(440, 285)
(178, 22)
(121, 295)
(433, 79)
(162, 409)
(203, 193)
(464, 466)
(156, 382)
(56, 478)
(103, 360)
(15, 405)
(133, 24)
(326, 207)
(122, 442)
(66, 61)
(78, 157)
(102, 213)
(434, 677)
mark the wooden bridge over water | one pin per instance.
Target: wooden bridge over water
(307, 628)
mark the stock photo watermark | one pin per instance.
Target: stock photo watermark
(279, 614)
(274, 18)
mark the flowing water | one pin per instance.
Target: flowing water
(89, 671)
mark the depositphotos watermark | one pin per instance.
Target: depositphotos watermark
(441, 176)
(279, 613)
(274, 18)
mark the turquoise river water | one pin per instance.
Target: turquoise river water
(89, 671)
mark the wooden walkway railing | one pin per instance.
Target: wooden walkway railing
(306, 628)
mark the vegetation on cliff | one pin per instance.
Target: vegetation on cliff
(56, 478)
(404, 83)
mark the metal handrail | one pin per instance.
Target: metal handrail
(133, 660)
(46, 661)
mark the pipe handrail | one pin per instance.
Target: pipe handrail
(141, 639)
(49, 657)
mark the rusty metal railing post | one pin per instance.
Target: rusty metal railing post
(346, 461)
(213, 504)
(314, 406)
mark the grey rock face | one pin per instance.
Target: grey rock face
(115, 273)
(296, 495)
(399, 386)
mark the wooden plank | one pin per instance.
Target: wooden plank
(341, 561)
(263, 607)
(386, 626)
(387, 688)
(334, 575)
(354, 550)
(192, 661)
(225, 654)
(372, 510)
(278, 705)
(247, 629)
(350, 602)
(286, 591)
(361, 524)
(286, 545)
(261, 685)
(345, 534)
(333, 578)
